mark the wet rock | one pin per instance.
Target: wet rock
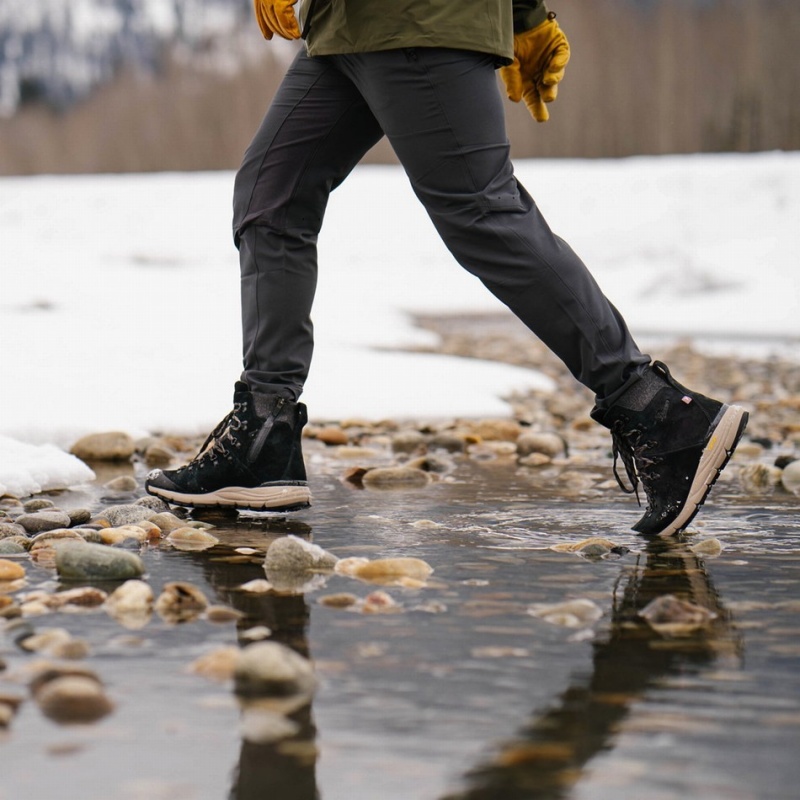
(84, 561)
(47, 520)
(10, 570)
(379, 603)
(79, 516)
(110, 446)
(218, 665)
(123, 484)
(9, 703)
(408, 442)
(191, 539)
(180, 602)
(708, 548)
(220, 614)
(535, 460)
(256, 586)
(339, 600)
(153, 503)
(159, 454)
(82, 597)
(126, 514)
(549, 444)
(10, 547)
(255, 634)
(167, 521)
(291, 555)
(37, 504)
(131, 604)
(593, 546)
(790, 477)
(330, 435)
(46, 641)
(434, 464)
(394, 478)
(497, 430)
(392, 571)
(671, 616)
(73, 699)
(11, 529)
(272, 670)
(759, 478)
(451, 442)
(570, 614)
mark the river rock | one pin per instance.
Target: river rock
(10, 570)
(153, 503)
(548, 444)
(180, 602)
(79, 516)
(110, 446)
(497, 430)
(272, 670)
(218, 665)
(10, 547)
(167, 521)
(391, 478)
(790, 477)
(47, 520)
(759, 478)
(123, 484)
(84, 561)
(126, 514)
(73, 699)
(291, 555)
(408, 442)
(131, 604)
(11, 529)
(671, 616)
(570, 614)
(389, 571)
(191, 539)
(37, 504)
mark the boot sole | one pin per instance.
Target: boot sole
(274, 497)
(730, 425)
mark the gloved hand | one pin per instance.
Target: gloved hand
(540, 57)
(277, 16)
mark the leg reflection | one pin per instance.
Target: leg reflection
(547, 758)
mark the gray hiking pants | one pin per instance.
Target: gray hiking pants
(443, 115)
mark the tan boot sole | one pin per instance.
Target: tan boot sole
(276, 497)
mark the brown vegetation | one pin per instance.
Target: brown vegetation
(668, 77)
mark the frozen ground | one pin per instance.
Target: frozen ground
(119, 307)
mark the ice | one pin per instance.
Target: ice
(119, 305)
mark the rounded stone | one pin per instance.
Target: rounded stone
(270, 669)
(8, 529)
(47, 520)
(74, 699)
(549, 444)
(790, 477)
(37, 504)
(110, 446)
(126, 514)
(84, 561)
(295, 556)
(388, 478)
(79, 516)
(10, 570)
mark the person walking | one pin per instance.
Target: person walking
(422, 73)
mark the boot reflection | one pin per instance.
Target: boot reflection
(547, 757)
(286, 768)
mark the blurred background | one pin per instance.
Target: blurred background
(147, 85)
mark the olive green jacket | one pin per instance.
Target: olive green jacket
(359, 26)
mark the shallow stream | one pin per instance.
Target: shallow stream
(461, 693)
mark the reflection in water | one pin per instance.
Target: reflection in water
(285, 769)
(548, 757)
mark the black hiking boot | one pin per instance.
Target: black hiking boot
(675, 442)
(252, 460)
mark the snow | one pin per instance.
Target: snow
(119, 304)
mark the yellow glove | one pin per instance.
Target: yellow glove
(277, 16)
(540, 57)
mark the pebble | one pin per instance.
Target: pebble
(10, 570)
(390, 571)
(167, 521)
(123, 484)
(548, 444)
(408, 442)
(218, 665)
(84, 561)
(597, 544)
(708, 547)
(180, 602)
(295, 556)
(391, 478)
(79, 516)
(191, 539)
(497, 430)
(131, 604)
(159, 454)
(451, 442)
(82, 597)
(47, 520)
(126, 514)
(329, 435)
(535, 460)
(37, 504)
(73, 699)
(108, 446)
(272, 670)
(379, 603)
(153, 503)
(673, 617)
(45, 640)
(220, 613)
(11, 529)
(10, 547)
(790, 477)
(759, 478)
(570, 614)
(256, 633)
(339, 600)
(257, 586)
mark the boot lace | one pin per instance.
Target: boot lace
(222, 440)
(625, 446)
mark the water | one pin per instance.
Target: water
(462, 693)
